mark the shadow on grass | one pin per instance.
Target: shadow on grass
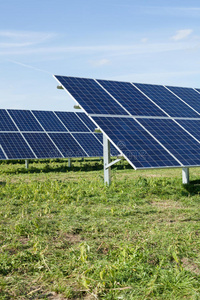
(193, 187)
(84, 167)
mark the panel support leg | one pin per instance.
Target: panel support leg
(106, 160)
(26, 163)
(69, 163)
(185, 175)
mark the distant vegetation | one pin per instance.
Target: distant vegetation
(64, 235)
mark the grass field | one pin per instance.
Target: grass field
(64, 235)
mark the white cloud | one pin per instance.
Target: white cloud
(182, 34)
(144, 40)
(111, 50)
(100, 63)
(12, 39)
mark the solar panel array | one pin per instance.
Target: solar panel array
(26, 134)
(154, 126)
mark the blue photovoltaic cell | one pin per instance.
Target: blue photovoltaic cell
(91, 96)
(15, 146)
(192, 126)
(91, 145)
(113, 150)
(25, 120)
(87, 121)
(167, 101)
(6, 124)
(189, 95)
(49, 121)
(67, 145)
(71, 121)
(135, 143)
(175, 139)
(42, 145)
(2, 155)
(133, 100)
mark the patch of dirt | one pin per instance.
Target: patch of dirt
(190, 266)
(55, 296)
(167, 204)
(24, 240)
(70, 237)
(153, 175)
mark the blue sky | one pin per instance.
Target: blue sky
(145, 41)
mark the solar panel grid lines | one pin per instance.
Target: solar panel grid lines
(174, 135)
(91, 128)
(95, 149)
(6, 124)
(22, 134)
(90, 96)
(189, 95)
(43, 145)
(72, 135)
(67, 144)
(15, 146)
(139, 148)
(90, 125)
(182, 100)
(24, 120)
(184, 147)
(164, 112)
(3, 154)
(71, 121)
(179, 124)
(192, 127)
(99, 82)
(130, 98)
(27, 144)
(197, 90)
(48, 121)
(45, 140)
(169, 102)
(158, 141)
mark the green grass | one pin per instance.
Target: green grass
(64, 235)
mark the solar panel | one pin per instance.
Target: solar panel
(2, 155)
(85, 139)
(175, 139)
(6, 124)
(133, 100)
(71, 121)
(86, 121)
(25, 120)
(42, 145)
(189, 95)
(192, 126)
(171, 104)
(67, 145)
(161, 128)
(140, 148)
(15, 146)
(91, 96)
(49, 121)
(43, 134)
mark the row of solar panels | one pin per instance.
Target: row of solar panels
(26, 134)
(153, 126)
(124, 98)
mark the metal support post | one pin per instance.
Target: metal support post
(69, 163)
(185, 175)
(26, 163)
(106, 160)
